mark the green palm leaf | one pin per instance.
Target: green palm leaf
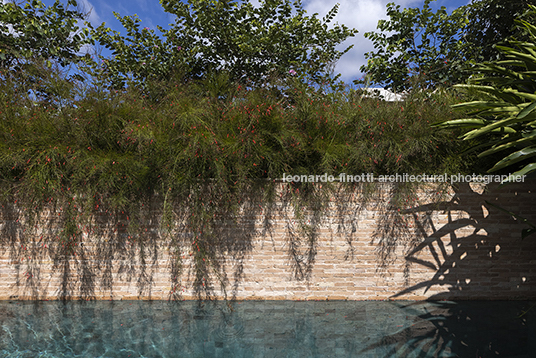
(510, 142)
(515, 157)
(509, 122)
(526, 111)
(502, 124)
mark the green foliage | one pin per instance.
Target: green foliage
(201, 160)
(419, 48)
(417, 42)
(506, 121)
(489, 23)
(252, 44)
(37, 31)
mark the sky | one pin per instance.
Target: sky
(362, 15)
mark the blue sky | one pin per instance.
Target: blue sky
(362, 15)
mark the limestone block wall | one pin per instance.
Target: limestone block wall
(443, 245)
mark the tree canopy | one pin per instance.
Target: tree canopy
(32, 30)
(421, 47)
(491, 22)
(275, 39)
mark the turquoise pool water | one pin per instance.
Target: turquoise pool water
(267, 329)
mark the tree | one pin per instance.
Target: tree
(506, 121)
(491, 22)
(416, 43)
(505, 124)
(249, 43)
(431, 49)
(34, 31)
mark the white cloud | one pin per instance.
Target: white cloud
(142, 4)
(92, 17)
(87, 8)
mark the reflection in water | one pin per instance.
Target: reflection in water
(267, 329)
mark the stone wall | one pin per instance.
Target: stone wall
(445, 245)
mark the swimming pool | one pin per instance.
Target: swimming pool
(267, 329)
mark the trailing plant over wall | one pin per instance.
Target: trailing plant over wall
(208, 163)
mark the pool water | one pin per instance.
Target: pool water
(268, 329)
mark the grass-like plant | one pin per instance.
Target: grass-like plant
(204, 156)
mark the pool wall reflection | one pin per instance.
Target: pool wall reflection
(267, 329)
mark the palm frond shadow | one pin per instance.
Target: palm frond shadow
(459, 329)
(474, 255)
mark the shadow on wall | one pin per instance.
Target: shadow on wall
(53, 259)
(475, 255)
(47, 252)
(85, 262)
(54, 256)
